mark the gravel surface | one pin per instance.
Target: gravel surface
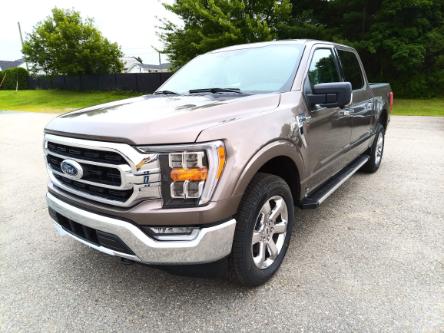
(370, 259)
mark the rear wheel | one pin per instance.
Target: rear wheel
(264, 224)
(376, 151)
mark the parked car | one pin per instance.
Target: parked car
(211, 166)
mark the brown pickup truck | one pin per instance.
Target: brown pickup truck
(212, 164)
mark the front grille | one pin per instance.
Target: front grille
(86, 154)
(94, 236)
(110, 173)
(91, 172)
(102, 192)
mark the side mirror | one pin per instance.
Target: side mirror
(333, 94)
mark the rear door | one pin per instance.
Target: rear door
(329, 128)
(361, 109)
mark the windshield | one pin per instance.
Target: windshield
(251, 70)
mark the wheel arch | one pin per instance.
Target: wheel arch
(281, 158)
(383, 118)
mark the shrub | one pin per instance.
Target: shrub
(11, 76)
(67, 44)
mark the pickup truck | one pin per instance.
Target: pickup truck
(211, 166)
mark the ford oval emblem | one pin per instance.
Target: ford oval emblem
(71, 169)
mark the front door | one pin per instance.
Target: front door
(329, 128)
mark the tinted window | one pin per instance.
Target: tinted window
(322, 67)
(352, 70)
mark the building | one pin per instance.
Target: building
(148, 68)
(6, 64)
(132, 65)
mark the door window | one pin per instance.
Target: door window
(323, 67)
(352, 70)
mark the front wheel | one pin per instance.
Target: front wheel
(264, 224)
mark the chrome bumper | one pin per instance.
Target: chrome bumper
(211, 244)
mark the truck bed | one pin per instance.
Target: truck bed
(380, 89)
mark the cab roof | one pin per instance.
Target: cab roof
(275, 42)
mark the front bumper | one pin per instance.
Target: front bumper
(211, 244)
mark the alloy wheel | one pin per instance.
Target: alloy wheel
(379, 148)
(269, 232)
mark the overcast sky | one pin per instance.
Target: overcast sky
(131, 23)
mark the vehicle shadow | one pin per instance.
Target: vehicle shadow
(215, 274)
(99, 270)
(305, 221)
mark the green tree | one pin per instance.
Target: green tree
(399, 41)
(408, 39)
(66, 44)
(14, 78)
(211, 24)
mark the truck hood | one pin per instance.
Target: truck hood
(155, 119)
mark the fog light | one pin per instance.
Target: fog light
(173, 233)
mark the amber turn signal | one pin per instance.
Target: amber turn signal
(221, 157)
(192, 174)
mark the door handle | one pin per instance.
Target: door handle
(344, 113)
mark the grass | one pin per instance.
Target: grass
(62, 101)
(418, 107)
(56, 100)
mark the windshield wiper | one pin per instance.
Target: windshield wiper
(165, 92)
(215, 90)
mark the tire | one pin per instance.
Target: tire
(376, 151)
(266, 194)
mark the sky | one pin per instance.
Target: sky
(131, 23)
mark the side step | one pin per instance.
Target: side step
(315, 199)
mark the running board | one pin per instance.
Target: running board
(315, 199)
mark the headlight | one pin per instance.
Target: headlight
(189, 173)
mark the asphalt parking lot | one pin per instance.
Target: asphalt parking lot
(370, 259)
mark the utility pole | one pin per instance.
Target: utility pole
(21, 40)
(160, 60)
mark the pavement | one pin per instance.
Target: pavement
(370, 259)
